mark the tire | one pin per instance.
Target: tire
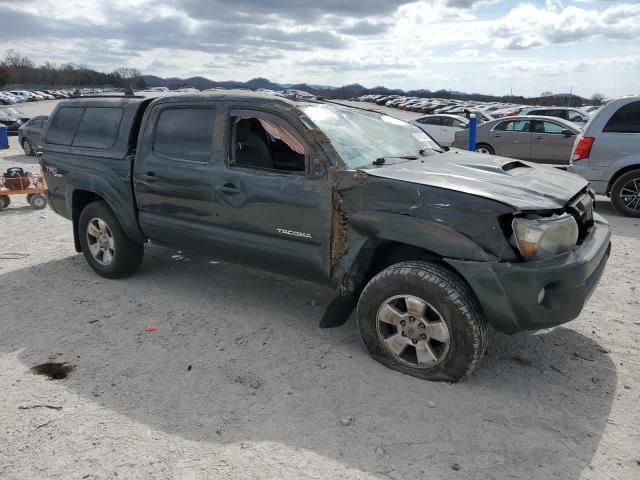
(449, 315)
(5, 201)
(484, 148)
(27, 147)
(109, 252)
(625, 194)
(37, 201)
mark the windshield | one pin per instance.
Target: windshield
(361, 137)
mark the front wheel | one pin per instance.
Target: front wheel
(37, 201)
(625, 194)
(106, 248)
(421, 319)
(486, 149)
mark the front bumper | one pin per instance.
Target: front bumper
(509, 292)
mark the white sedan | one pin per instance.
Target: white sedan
(442, 127)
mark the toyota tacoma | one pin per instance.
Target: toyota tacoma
(429, 245)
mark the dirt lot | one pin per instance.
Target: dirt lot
(239, 381)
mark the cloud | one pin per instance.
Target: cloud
(308, 11)
(365, 27)
(528, 26)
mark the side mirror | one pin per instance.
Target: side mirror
(567, 133)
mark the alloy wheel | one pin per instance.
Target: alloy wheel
(413, 331)
(100, 241)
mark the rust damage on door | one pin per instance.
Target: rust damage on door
(338, 223)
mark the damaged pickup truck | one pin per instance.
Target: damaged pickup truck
(432, 246)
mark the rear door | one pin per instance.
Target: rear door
(172, 175)
(512, 138)
(549, 143)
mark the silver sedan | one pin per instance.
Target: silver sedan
(533, 138)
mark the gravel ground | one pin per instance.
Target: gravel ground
(239, 381)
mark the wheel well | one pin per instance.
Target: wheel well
(619, 173)
(80, 199)
(377, 256)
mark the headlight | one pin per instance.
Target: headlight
(545, 237)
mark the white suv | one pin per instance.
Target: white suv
(607, 153)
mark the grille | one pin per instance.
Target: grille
(582, 211)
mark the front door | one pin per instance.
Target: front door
(550, 144)
(270, 211)
(512, 138)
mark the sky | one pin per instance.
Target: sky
(483, 46)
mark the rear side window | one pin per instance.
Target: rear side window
(98, 128)
(625, 120)
(513, 126)
(64, 125)
(185, 134)
(430, 120)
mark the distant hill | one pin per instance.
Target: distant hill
(354, 90)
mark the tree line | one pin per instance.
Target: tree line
(16, 69)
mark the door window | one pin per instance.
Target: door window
(185, 134)
(459, 124)
(625, 120)
(446, 121)
(261, 142)
(430, 120)
(513, 126)
(548, 127)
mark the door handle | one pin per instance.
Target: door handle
(149, 177)
(227, 188)
(538, 137)
(496, 135)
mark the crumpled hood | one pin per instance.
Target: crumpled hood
(522, 185)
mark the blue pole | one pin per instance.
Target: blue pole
(4, 139)
(473, 121)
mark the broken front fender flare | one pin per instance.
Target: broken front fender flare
(436, 238)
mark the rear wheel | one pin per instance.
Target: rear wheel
(421, 319)
(37, 201)
(27, 147)
(4, 201)
(107, 249)
(486, 149)
(625, 194)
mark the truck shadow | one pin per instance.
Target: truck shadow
(239, 357)
(21, 158)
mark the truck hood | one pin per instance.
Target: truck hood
(522, 185)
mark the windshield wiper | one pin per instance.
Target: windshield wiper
(383, 160)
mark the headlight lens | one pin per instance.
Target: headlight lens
(545, 237)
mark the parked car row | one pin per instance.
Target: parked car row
(488, 110)
(11, 97)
